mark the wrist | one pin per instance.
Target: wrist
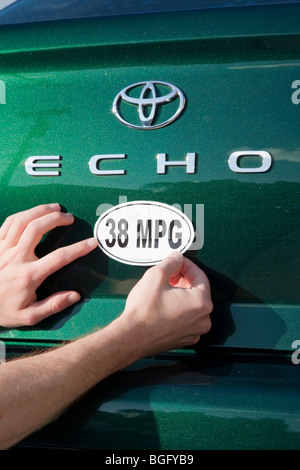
(127, 331)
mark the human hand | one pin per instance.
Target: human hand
(169, 307)
(22, 272)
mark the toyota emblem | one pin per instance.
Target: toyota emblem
(152, 97)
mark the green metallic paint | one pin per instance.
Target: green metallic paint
(236, 68)
(170, 404)
(245, 104)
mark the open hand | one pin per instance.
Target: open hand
(22, 272)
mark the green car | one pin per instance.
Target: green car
(186, 113)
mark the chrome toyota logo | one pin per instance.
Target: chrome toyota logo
(158, 104)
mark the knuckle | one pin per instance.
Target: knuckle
(9, 219)
(56, 216)
(29, 319)
(14, 223)
(204, 299)
(206, 325)
(194, 339)
(58, 257)
(55, 306)
(209, 306)
(34, 227)
(26, 279)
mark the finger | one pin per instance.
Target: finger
(15, 224)
(63, 256)
(35, 230)
(45, 308)
(193, 275)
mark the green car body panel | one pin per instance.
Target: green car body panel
(239, 69)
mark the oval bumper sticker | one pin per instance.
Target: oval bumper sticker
(142, 233)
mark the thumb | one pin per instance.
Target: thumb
(171, 265)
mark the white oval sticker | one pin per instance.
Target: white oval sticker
(142, 233)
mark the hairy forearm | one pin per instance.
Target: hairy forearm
(37, 389)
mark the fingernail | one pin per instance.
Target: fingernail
(69, 216)
(73, 297)
(92, 242)
(54, 206)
